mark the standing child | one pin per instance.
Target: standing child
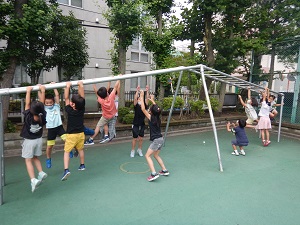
(109, 111)
(32, 131)
(155, 137)
(250, 111)
(264, 123)
(75, 129)
(54, 123)
(241, 138)
(138, 125)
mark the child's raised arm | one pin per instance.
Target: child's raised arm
(41, 93)
(27, 98)
(80, 88)
(135, 100)
(146, 113)
(56, 94)
(67, 93)
(241, 100)
(147, 95)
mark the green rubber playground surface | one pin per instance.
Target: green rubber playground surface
(260, 188)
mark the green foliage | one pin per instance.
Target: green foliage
(15, 106)
(38, 29)
(197, 107)
(124, 32)
(10, 127)
(33, 94)
(167, 103)
(214, 103)
(70, 48)
(122, 112)
(128, 119)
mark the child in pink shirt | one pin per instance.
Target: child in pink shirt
(109, 110)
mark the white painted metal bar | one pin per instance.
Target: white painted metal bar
(2, 180)
(211, 118)
(172, 106)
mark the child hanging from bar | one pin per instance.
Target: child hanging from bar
(250, 111)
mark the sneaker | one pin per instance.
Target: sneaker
(48, 163)
(76, 153)
(139, 151)
(34, 184)
(164, 172)
(66, 174)
(90, 141)
(104, 140)
(267, 143)
(235, 152)
(42, 176)
(264, 142)
(71, 154)
(81, 167)
(153, 177)
(132, 153)
(242, 152)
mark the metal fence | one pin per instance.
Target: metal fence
(284, 76)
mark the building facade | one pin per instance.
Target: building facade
(98, 39)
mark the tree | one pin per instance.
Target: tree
(38, 39)
(69, 41)
(13, 35)
(125, 21)
(272, 21)
(158, 36)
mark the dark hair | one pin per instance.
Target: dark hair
(254, 102)
(78, 101)
(242, 123)
(110, 90)
(273, 96)
(49, 96)
(38, 109)
(156, 111)
(102, 92)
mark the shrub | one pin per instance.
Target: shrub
(128, 118)
(197, 107)
(214, 103)
(167, 103)
(10, 127)
(122, 112)
(15, 106)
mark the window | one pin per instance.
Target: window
(138, 51)
(137, 81)
(77, 3)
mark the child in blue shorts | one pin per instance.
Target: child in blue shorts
(241, 140)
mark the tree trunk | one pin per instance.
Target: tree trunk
(221, 98)
(8, 75)
(192, 53)
(209, 52)
(272, 64)
(161, 94)
(122, 69)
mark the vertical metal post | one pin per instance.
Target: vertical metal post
(280, 118)
(211, 117)
(172, 106)
(296, 92)
(1, 152)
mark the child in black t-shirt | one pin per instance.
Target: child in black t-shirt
(155, 137)
(138, 125)
(75, 109)
(32, 131)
